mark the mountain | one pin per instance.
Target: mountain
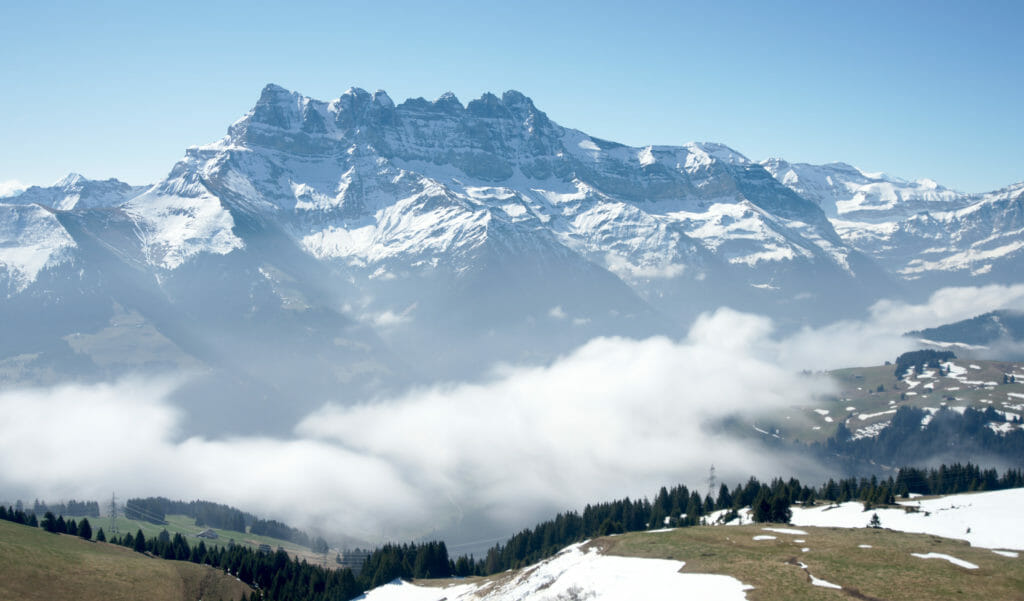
(75, 191)
(921, 233)
(337, 249)
(475, 198)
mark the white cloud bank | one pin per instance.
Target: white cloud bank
(615, 417)
(11, 187)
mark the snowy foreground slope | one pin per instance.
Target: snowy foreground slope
(576, 573)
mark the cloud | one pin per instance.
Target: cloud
(879, 337)
(11, 187)
(615, 417)
(622, 267)
(390, 319)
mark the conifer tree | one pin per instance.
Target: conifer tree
(85, 529)
(139, 542)
(780, 511)
(49, 522)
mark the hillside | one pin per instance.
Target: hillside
(764, 562)
(987, 329)
(866, 398)
(37, 565)
(744, 562)
(185, 525)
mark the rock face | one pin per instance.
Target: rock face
(332, 248)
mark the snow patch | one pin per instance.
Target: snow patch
(953, 560)
(785, 531)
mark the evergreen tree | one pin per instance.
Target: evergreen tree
(60, 527)
(875, 521)
(762, 507)
(49, 522)
(780, 511)
(85, 529)
(724, 500)
(100, 536)
(139, 542)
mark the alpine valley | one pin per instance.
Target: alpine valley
(352, 247)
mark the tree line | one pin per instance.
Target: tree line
(214, 515)
(89, 509)
(205, 513)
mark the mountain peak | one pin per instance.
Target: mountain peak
(69, 180)
(274, 94)
(381, 99)
(448, 101)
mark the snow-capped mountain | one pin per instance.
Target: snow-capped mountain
(919, 231)
(424, 187)
(75, 191)
(847, 193)
(331, 245)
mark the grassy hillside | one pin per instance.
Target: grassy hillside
(37, 565)
(186, 527)
(866, 398)
(884, 570)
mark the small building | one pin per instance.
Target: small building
(265, 548)
(208, 533)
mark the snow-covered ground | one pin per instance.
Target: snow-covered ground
(989, 519)
(576, 573)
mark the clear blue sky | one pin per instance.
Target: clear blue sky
(917, 89)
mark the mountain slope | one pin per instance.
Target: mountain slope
(986, 329)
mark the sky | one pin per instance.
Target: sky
(913, 88)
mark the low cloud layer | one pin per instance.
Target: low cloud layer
(615, 417)
(11, 187)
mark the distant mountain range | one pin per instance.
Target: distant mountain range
(340, 248)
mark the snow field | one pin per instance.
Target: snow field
(988, 519)
(584, 574)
